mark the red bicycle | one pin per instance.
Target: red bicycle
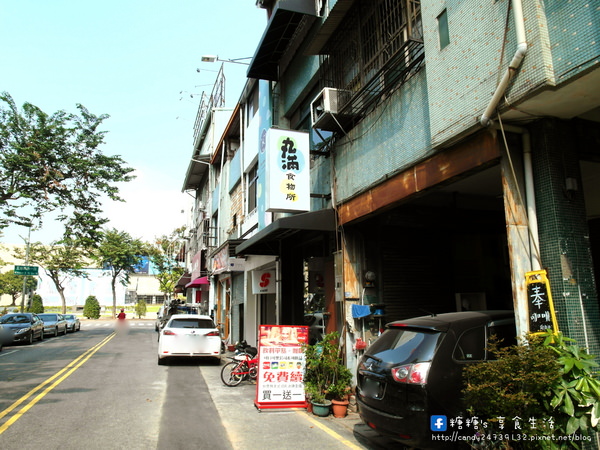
(242, 367)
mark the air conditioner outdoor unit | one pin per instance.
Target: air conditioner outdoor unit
(324, 110)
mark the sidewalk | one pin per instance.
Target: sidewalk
(284, 428)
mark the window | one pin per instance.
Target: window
(252, 178)
(252, 104)
(471, 345)
(192, 323)
(376, 48)
(443, 31)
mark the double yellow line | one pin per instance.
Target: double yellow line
(49, 384)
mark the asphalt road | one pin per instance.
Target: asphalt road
(101, 389)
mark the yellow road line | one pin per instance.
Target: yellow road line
(330, 432)
(60, 376)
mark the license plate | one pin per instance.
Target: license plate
(372, 388)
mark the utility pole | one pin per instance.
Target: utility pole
(25, 276)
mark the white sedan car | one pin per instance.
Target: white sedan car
(189, 335)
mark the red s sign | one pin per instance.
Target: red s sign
(265, 279)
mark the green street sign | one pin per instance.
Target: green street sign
(26, 270)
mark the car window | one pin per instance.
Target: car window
(506, 333)
(405, 345)
(68, 316)
(191, 323)
(470, 346)
(15, 319)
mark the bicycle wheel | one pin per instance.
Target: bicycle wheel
(253, 371)
(230, 374)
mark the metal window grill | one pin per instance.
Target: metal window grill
(375, 50)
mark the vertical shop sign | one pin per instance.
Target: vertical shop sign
(280, 382)
(288, 171)
(540, 306)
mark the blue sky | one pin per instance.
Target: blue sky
(136, 61)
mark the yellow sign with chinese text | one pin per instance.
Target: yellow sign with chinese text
(541, 315)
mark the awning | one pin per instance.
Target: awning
(183, 280)
(334, 18)
(265, 242)
(198, 282)
(282, 25)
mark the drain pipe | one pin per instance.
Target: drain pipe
(512, 67)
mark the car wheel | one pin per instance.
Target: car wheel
(161, 361)
(41, 337)
(65, 332)
(30, 339)
(56, 332)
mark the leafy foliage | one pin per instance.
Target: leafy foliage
(326, 376)
(121, 254)
(140, 308)
(37, 304)
(61, 262)
(12, 284)
(91, 308)
(165, 257)
(576, 395)
(548, 379)
(52, 162)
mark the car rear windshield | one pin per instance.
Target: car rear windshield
(48, 316)
(191, 323)
(14, 319)
(405, 345)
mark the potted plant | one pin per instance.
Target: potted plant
(326, 378)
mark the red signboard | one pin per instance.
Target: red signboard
(280, 381)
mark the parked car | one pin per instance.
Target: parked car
(73, 323)
(21, 327)
(414, 371)
(54, 324)
(174, 307)
(189, 335)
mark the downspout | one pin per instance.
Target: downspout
(512, 67)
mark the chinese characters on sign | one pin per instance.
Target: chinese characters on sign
(288, 171)
(539, 302)
(280, 382)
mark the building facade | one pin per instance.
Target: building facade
(453, 149)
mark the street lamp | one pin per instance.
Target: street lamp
(213, 58)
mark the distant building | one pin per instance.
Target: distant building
(141, 285)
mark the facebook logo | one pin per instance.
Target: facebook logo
(439, 423)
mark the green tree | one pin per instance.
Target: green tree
(165, 256)
(91, 308)
(37, 304)
(12, 284)
(61, 261)
(121, 255)
(140, 308)
(53, 162)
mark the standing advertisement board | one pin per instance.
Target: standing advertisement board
(540, 306)
(280, 382)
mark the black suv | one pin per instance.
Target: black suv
(413, 370)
